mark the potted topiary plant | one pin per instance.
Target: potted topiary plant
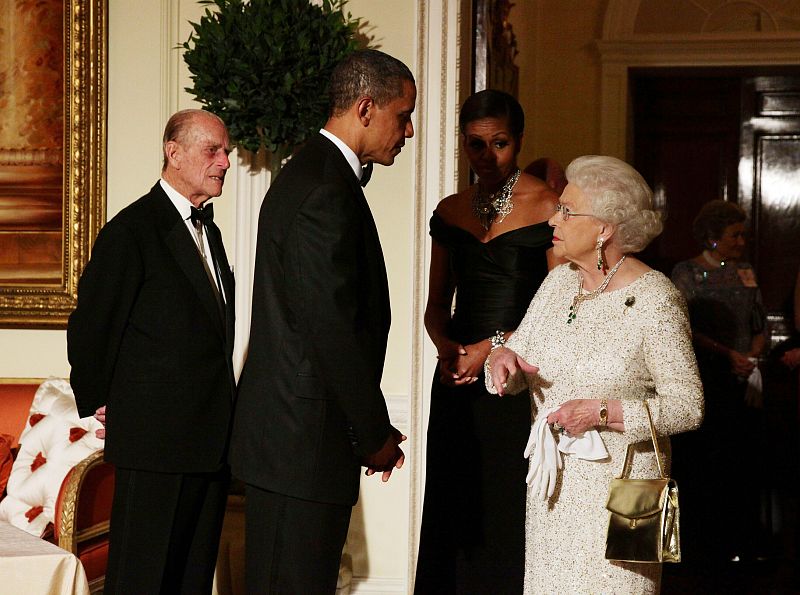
(263, 67)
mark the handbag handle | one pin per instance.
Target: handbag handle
(626, 469)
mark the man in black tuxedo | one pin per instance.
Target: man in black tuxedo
(151, 344)
(310, 411)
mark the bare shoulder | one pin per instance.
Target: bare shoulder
(452, 208)
(535, 197)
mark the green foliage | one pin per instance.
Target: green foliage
(263, 66)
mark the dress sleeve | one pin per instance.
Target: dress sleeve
(439, 230)
(677, 405)
(683, 278)
(520, 340)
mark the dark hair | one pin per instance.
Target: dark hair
(178, 127)
(493, 104)
(713, 218)
(367, 72)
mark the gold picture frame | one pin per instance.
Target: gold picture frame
(495, 47)
(52, 199)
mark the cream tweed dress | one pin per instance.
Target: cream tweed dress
(630, 344)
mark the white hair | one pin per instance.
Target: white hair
(618, 195)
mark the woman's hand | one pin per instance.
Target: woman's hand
(740, 363)
(505, 363)
(449, 352)
(577, 415)
(469, 365)
(580, 415)
(461, 364)
(791, 358)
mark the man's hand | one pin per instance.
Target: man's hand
(388, 458)
(100, 415)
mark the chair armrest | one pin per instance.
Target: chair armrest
(83, 507)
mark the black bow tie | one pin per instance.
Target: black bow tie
(366, 173)
(204, 215)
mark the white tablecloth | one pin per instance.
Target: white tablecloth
(32, 566)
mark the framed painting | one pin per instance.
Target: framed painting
(495, 47)
(52, 154)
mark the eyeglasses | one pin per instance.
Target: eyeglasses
(566, 213)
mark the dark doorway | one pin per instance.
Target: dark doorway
(734, 133)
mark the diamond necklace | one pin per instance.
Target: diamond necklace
(488, 207)
(582, 297)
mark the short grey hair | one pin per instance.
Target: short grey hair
(179, 125)
(618, 195)
(367, 72)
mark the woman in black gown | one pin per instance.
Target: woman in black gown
(491, 248)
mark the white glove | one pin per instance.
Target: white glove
(546, 461)
(754, 396)
(588, 446)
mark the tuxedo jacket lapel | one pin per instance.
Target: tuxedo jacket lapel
(376, 253)
(226, 276)
(184, 250)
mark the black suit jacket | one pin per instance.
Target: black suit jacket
(147, 340)
(310, 403)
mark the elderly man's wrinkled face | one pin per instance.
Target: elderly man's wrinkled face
(575, 230)
(198, 161)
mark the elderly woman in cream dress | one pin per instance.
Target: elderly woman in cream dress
(604, 334)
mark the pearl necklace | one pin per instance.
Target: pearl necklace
(488, 207)
(582, 297)
(710, 260)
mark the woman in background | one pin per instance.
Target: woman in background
(728, 321)
(491, 248)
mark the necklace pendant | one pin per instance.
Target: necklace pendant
(573, 311)
(496, 206)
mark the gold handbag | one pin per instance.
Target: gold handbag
(643, 514)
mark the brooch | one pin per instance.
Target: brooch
(629, 302)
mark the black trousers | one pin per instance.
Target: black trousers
(165, 531)
(292, 546)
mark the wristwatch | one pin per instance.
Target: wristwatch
(603, 412)
(497, 340)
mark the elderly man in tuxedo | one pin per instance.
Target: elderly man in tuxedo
(150, 344)
(310, 410)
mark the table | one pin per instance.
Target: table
(32, 566)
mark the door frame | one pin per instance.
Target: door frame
(619, 52)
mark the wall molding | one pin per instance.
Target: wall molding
(621, 50)
(252, 183)
(438, 85)
(170, 58)
(361, 585)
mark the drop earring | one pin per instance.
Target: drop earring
(601, 265)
